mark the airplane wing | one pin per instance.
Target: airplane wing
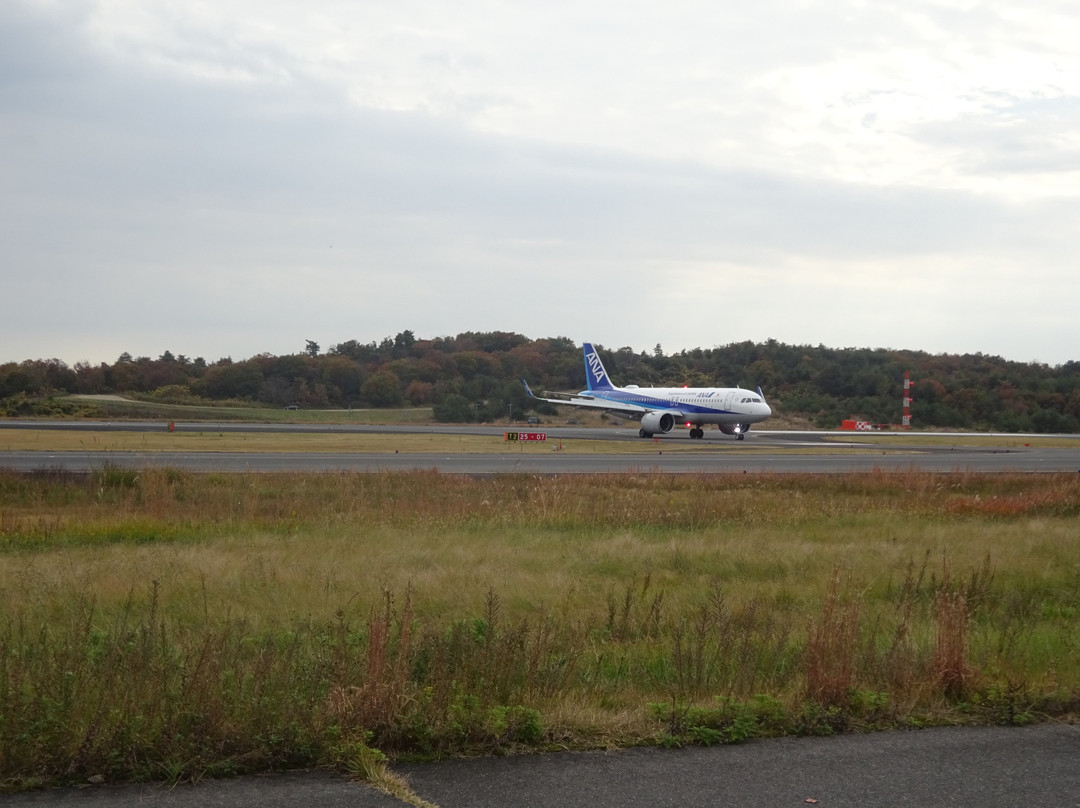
(591, 401)
(559, 398)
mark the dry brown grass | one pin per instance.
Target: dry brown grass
(830, 647)
(215, 623)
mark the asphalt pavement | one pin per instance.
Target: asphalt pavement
(962, 767)
(768, 451)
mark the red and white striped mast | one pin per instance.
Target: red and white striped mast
(906, 423)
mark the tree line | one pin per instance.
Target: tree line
(477, 377)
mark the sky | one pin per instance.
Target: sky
(235, 177)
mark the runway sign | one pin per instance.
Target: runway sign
(526, 436)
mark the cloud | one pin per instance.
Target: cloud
(217, 182)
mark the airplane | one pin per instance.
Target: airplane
(660, 408)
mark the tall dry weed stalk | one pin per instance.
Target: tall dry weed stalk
(637, 616)
(900, 665)
(374, 703)
(951, 671)
(829, 659)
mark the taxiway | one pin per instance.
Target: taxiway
(762, 451)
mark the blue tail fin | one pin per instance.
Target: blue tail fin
(595, 374)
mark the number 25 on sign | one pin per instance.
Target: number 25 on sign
(519, 436)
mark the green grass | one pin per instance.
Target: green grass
(119, 408)
(169, 625)
(211, 440)
(989, 440)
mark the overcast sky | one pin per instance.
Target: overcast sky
(231, 177)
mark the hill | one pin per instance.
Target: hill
(476, 377)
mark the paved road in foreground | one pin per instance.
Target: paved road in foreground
(1033, 767)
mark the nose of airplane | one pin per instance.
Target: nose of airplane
(763, 409)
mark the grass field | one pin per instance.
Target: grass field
(995, 440)
(169, 625)
(119, 407)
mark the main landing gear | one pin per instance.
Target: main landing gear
(698, 433)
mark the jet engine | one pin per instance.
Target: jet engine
(652, 422)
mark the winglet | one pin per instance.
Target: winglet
(528, 392)
(595, 374)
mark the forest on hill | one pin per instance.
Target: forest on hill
(477, 377)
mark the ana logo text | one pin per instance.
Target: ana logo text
(595, 367)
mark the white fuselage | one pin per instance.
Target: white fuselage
(692, 405)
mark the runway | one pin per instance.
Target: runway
(761, 452)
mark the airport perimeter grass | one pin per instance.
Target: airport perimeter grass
(167, 625)
(122, 408)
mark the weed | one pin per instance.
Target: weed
(1009, 703)
(950, 666)
(830, 648)
(294, 620)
